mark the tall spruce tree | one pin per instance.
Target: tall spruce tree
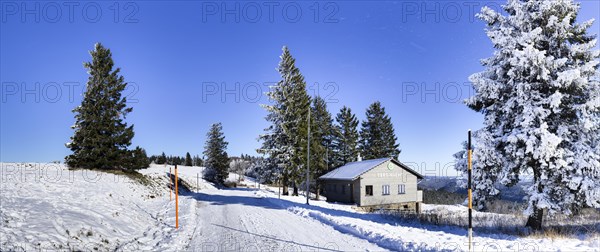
(217, 160)
(101, 135)
(188, 159)
(321, 140)
(324, 130)
(377, 137)
(284, 140)
(389, 138)
(345, 142)
(295, 123)
(540, 104)
(275, 142)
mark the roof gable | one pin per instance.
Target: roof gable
(351, 171)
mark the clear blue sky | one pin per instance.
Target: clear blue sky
(357, 51)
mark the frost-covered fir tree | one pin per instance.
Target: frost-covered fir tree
(264, 170)
(101, 134)
(485, 167)
(284, 140)
(541, 105)
(377, 137)
(345, 142)
(276, 144)
(215, 150)
(296, 119)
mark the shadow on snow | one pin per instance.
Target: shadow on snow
(282, 204)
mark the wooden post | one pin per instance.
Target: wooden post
(469, 186)
(197, 182)
(308, 159)
(170, 185)
(176, 200)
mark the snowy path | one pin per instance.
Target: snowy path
(240, 220)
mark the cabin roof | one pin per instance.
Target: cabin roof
(351, 171)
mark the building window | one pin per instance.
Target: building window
(401, 189)
(385, 190)
(369, 190)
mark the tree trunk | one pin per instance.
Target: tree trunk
(295, 193)
(535, 219)
(285, 190)
(284, 184)
(279, 189)
(317, 191)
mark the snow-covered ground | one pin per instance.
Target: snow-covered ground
(393, 234)
(45, 206)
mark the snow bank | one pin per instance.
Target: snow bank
(405, 235)
(48, 207)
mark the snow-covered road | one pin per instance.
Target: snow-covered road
(244, 219)
(239, 219)
(48, 207)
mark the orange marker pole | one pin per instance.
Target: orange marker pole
(176, 200)
(170, 185)
(469, 172)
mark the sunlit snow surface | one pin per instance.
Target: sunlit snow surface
(46, 206)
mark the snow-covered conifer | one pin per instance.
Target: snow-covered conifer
(215, 150)
(284, 140)
(540, 104)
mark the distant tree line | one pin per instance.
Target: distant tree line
(186, 160)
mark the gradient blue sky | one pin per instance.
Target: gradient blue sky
(352, 52)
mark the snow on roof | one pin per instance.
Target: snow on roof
(351, 171)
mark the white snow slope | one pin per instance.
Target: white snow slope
(45, 206)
